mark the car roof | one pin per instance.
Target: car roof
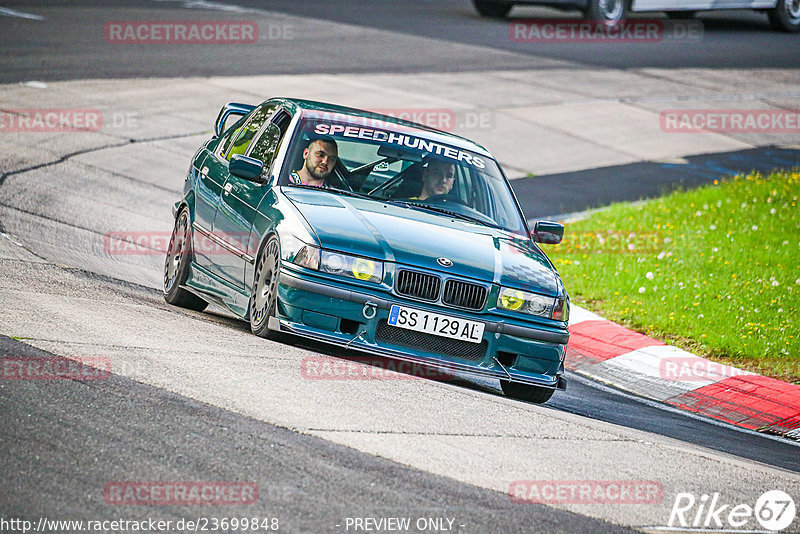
(315, 109)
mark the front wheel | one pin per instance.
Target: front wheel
(525, 392)
(785, 16)
(607, 12)
(495, 10)
(176, 266)
(264, 296)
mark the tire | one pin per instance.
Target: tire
(525, 392)
(785, 16)
(264, 295)
(609, 12)
(681, 15)
(177, 265)
(495, 10)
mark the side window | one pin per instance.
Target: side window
(267, 144)
(462, 186)
(482, 197)
(245, 134)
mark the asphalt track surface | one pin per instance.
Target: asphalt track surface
(587, 398)
(322, 36)
(60, 438)
(736, 38)
(64, 440)
(561, 194)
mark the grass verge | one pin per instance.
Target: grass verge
(714, 270)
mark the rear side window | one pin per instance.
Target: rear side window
(228, 136)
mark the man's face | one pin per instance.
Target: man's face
(438, 178)
(320, 158)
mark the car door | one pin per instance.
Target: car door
(207, 189)
(210, 247)
(239, 200)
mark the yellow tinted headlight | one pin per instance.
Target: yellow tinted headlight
(352, 266)
(363, 269)
(525, 302)
(511, 299)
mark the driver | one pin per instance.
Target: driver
(437, 178)
(319, 159)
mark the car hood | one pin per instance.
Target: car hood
(417, 238)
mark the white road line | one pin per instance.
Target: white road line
(11, 13)
(6, 236)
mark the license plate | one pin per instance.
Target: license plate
(436, 324)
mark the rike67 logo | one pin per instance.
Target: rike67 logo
(774, 511)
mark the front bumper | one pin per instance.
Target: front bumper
(320, 311)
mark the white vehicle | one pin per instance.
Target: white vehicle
(784, 15)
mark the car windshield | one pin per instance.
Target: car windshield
(390, 162)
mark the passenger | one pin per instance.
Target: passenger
(319, 158)
(437, 178)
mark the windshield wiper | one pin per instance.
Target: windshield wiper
(452, 213)
(334, 190)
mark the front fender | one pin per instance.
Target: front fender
(277, 215)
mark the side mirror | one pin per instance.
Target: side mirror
(247, 168)
(239, 110)
(548, 233)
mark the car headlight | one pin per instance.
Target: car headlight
(351, 266)
(533, 304)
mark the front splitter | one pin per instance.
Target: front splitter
(358, 344)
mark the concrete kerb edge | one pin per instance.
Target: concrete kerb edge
(725, 393)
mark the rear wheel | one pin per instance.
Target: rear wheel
(608, 12)
(785, 16)
(487, 8)
(264, 296)
(176, 266)
(524, 392)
